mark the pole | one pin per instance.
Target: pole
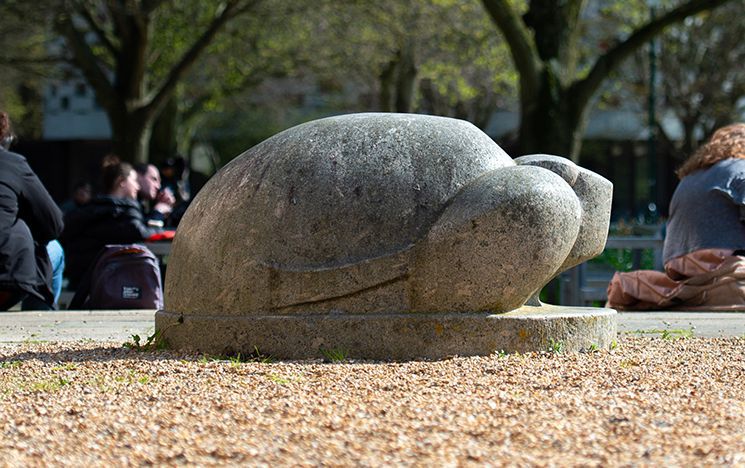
(652, 123)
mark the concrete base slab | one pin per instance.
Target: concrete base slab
(393, 336)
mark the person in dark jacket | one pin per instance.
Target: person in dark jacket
(113, 218)
(29, 219)
(156, 204)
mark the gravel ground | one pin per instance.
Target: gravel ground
(649, 401)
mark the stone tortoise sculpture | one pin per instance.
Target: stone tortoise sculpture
(368, 214)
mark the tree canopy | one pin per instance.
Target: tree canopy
(703, 82)
(555, 91)
(113, 44)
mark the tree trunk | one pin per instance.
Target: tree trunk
(131, 136)
(387, 79)
(164, 140)
(551, 122)
(398, 82)
(405, 80)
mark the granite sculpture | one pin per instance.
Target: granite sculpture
(361, 217)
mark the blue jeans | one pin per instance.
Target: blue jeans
(57, 259)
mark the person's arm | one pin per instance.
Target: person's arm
(37, 209)
(164, 202)
(735, 191)
(135, 229)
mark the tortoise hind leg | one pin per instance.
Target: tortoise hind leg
(595, 194)
(499, 240)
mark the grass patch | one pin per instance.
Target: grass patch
(556, 346)
(626, 363)
(669, 333)
(239, 358)
(130, 378)
(334, 355)
(10, 364)
(154, 342)
(593, 348)
(279, 379)
(48, 385)
(70, 366)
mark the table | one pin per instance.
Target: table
(160, 249)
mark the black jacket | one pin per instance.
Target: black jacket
(29, 219)
(105, 220)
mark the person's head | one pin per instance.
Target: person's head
(148, 177)
(6, 131)
(81, 193)
(173, 168)
(727, 142)
(119, 178)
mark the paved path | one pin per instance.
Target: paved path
(709, 324)
(109, 325)
(120, 325)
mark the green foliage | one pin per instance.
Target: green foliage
(10, 364)
(236, 360)
(154, 342)
(623, 259)
(334, 355)
(260, 357)
(556, 346)
(70, 366)
(53, 384)
(704, 80)
(132, 377)
(668, 333)
(675, 334)
(279, 379)
(239, 358)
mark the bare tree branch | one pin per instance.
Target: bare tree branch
(87, 62)
(523, 51)
(149, 6)
(584, 89)
(19, 61)
(103, 38)
(231, 9)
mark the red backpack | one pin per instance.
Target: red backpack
(123, 276)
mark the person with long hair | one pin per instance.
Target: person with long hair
(29, 221)
(707, 210)
(112, 218)
(704, 249)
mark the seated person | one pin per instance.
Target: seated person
(29, 220)
(81, 195)
(113, 218)
(157, 204)
(704, 249)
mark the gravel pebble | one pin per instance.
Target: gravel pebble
(649, 401)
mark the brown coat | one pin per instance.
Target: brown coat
(709, 279)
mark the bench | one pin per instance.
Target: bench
(588, 282)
